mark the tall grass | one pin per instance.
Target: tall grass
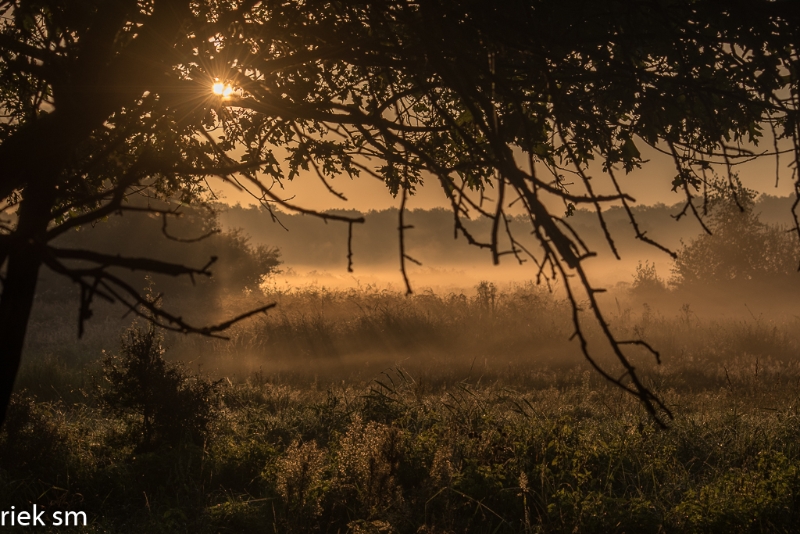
(365, 411)
(388, 458)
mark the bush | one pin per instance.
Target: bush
(30, 439)
(166, 404)
(646, 281)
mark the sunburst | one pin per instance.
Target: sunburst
(221, 89)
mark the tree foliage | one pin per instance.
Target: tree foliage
(741, 249)
(507, 100)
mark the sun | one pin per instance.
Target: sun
(222, 89)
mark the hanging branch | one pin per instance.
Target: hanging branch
(641, 236)
(684, 183)
(349, 247)
(401, 228)
(202, 237)
(498, 214)
(113, 289)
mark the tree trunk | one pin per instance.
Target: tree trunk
(19, 289)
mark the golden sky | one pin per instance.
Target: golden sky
(649, 185)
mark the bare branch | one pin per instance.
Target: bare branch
(133, 264)
(202, 237)
(114, 289)
(401, 228)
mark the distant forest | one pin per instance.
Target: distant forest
(309, 242)
(251, 245)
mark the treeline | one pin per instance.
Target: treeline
(309, 241)
(250, 245)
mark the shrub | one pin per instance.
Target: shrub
(166, 404)
(30, 438)
(646, 281)
(487, 295)
(300, 478)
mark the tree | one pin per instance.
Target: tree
(741, 249)
(156, 96)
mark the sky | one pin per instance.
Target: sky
(648, 186)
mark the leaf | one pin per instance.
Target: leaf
(465, 118)
(629, 150)
(541, 149)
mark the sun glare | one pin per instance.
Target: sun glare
(222, 89)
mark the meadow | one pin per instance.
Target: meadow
(368, 411)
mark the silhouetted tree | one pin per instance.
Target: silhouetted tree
(741, 249)
(103, 99)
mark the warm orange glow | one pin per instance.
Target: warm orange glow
(222, 89)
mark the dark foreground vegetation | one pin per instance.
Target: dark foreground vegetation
(364, 411)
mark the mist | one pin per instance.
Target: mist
(314, 253)
(331, 325)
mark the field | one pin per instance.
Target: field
(366, 411)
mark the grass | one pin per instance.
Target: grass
(364, 411)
